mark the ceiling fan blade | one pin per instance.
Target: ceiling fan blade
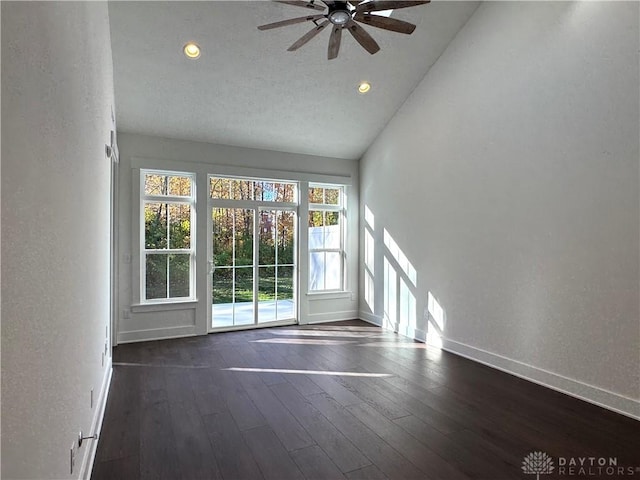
(385, 23)
(300, 3)
(378, 5)
(334, 42)
(308, 36)
(362, 37)
(291, 21)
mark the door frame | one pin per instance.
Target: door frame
(256, 206)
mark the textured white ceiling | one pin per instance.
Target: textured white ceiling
(247, 90)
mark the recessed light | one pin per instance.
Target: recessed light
(191, 50)
(364, 87)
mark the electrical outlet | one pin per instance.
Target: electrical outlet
(353, 297)
(126, 314)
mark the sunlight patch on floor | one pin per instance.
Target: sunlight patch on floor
(308, 372)
(304, 341)
(325, 333)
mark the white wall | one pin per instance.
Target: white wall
(510, 180)
(141, 151)
(57, 94)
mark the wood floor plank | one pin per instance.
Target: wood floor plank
(292, 435)
(232, 454)
(243, 410)
(120, 437)
(363, 389)
(379, 452)
(300, 382)
(207, 393)
(192, 445)
(417, 453)
(125, 468)
(327, 383)
(470, 464)
(178, 386)
(315, 464)
(158, 457)
(367, 473)
(271, 456)
(341, 451)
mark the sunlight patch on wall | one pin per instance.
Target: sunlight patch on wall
(369, 259)
(407, 306)
(369, 218)
(435, 321)
(390, 295)
(369, 289)
(400, 257)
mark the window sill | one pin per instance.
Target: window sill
(328, 295)
(163, 306)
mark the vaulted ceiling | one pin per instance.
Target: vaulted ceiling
(247, 90)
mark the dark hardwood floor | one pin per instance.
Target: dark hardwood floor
(374, 405)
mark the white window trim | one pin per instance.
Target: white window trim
(342, 210)
(191, 201)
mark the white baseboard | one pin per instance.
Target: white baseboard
(401, 329)
(156, 334)
(96, 425)
(370, 318)
(331, 317)
(420, 335)
(589, 393)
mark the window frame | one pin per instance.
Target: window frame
(341, 209)
(168, 200)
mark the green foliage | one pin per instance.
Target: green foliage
(163, 267)
(223, 288)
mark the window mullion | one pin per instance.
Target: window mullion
(277, 238)
(167, 271)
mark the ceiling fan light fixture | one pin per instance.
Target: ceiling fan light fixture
(339, 17)
(364, 87)
(191, 50)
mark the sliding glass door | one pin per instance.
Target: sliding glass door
(253, 254)
(276, 266)
(233, 272)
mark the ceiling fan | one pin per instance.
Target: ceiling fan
(346, 15)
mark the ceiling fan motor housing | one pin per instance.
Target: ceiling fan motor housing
(339, 13)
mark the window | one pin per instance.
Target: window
(326, 238)
(167, 235)
(258, 190)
